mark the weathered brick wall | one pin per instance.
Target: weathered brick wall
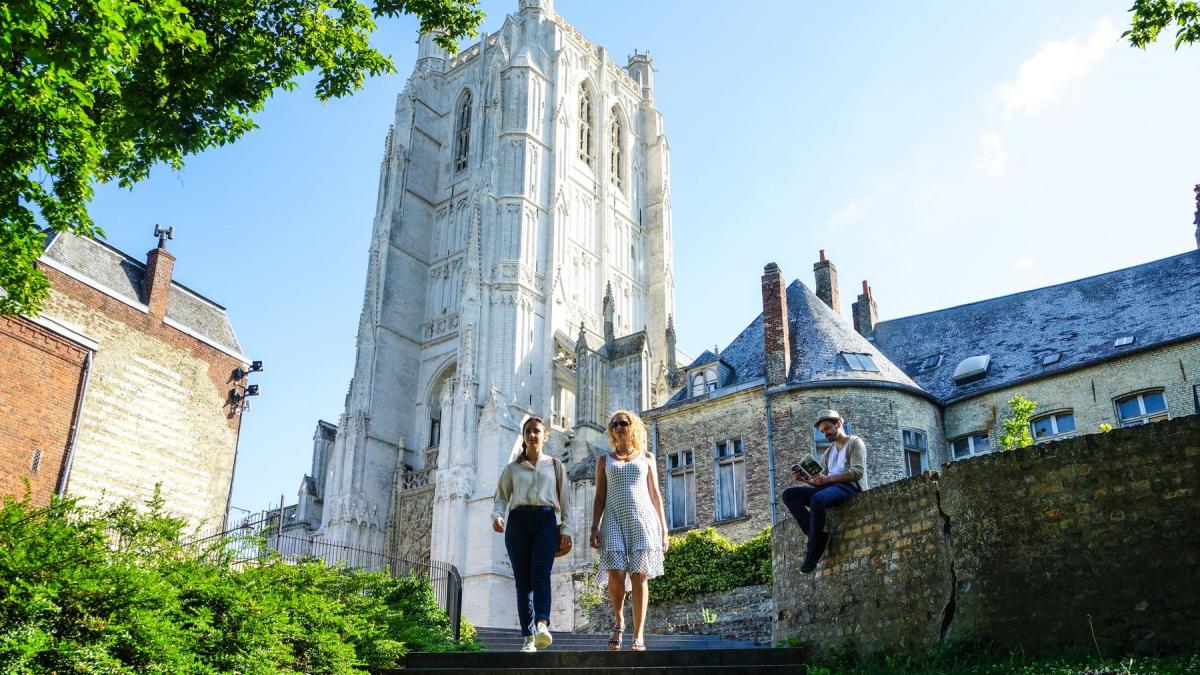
(1035, 548)
(40, 375)
(738, 614)
(157, 409)
(698, 427)
(1090, 393)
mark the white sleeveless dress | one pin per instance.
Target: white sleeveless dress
(630, 532)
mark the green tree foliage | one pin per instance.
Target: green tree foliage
(103, 90)
(1016, 425)
(1150, 17)
(703, 561)
(114, 591)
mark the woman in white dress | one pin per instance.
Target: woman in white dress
(628, 525)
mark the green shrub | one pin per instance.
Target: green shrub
(88, 590)
(703, 561)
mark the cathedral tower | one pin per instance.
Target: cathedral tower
(521, 179)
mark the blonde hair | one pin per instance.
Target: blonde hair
(637, 431)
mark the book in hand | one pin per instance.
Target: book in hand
(808, 467)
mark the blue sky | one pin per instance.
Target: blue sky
(947, 152)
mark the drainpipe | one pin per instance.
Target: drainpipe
(64, 475)
(654, 439)
(770, 453)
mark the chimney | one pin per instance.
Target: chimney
(1196, 220)
(156, 283)
(776, 341)
(827, 284)
(865, 312)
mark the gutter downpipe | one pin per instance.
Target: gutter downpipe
(64, 475)
(770, 452)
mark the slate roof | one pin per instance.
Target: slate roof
(818, 337)
(122, 275)
(1156, 302)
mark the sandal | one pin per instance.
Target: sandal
(638, 646)
(614, 639)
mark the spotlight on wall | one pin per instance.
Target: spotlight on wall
(252, 390)
(256, 366)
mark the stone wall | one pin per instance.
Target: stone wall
(738, 614)
(40, 375)
(1037, 548)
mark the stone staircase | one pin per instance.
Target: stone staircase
(587, 654)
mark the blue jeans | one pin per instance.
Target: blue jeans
(808, 503)
(531, 537)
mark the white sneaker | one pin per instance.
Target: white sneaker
(529, 645)
(542, 636)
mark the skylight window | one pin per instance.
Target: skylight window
(931, 362)
(860, 362)
(972, 368)
(1124, 341)
(1051, 358)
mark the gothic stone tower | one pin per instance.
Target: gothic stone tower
(522, 178)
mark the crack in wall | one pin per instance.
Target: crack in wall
(951, 605)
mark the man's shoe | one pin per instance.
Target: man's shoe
(542, 637)
(808, 565)
(529, 645)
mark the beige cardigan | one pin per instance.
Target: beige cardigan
(856, 460)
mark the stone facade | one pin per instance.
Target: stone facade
(1034, 548)
(42, 375)
(162, 403)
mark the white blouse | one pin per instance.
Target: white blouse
(523, 484)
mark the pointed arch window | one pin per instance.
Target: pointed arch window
(616, 141)
(585, 125)
(462, 132)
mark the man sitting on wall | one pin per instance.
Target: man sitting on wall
(841, 470)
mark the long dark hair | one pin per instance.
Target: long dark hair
(525, 425)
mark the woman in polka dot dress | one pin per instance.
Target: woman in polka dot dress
(628, 525)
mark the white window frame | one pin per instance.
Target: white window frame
(1055, 433)
(707, 383)
(1143, 417)
(922, 448)
(971, 451)
(462, 131)
(586, 146)
(616, 141)
(686, 464)
(736, 458)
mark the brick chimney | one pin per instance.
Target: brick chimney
(865, 312)
(156, 283)
(827, 283)
(776, 341)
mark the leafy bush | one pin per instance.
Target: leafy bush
(703, 561)
(113, 590)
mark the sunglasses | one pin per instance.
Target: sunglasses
(619, 423)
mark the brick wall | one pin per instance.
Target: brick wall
(157, 410)
(40, 376)
(1035, 548)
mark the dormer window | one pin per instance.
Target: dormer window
(856, 361)
(971, 369)
(704, 381)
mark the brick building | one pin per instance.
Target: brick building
(1120, 348)
(126, 379)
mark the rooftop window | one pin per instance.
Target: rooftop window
(931, 363)
(1124, 341)
(972, 368)
(1051, 358)
(860, 362)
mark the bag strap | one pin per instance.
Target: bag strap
(557, 482)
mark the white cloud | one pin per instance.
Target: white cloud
(851, 213)
(1043, 75)
(1023, 263)
(993, 157)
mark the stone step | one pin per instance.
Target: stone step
(790, 669)
(578, 662)
(509, 640)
